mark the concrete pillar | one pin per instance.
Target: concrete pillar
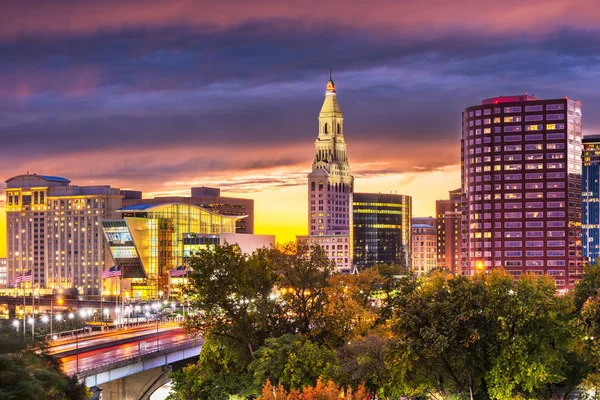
(139, 386)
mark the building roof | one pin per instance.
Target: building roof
(331, 107)
(161, 206)
(54, 178)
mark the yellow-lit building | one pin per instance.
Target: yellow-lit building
(53, 229)
(152, 239)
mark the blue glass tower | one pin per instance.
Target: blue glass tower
(591, 197)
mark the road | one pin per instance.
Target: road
(94, 358)
(132, 334)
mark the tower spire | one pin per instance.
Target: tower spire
(330, 73)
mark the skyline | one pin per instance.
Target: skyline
(176, 96)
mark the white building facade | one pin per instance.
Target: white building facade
(330, 187)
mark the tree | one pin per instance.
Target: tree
(292, 361)
(481, 337)
(321, 391)
(27, 372)
(233, 294)
(302, 282)
(588, 286)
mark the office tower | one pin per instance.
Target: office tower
(591, 198)
(330, 187)
(53, 229)
(448, 216)
(521, 182)
(424, 245)
(152, 239)
(381, 229)
(211, 199)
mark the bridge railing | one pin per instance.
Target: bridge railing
(121, 361)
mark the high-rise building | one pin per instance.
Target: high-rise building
(330, 187)
(448, 222)
(381, 229)
(424, 245)
(53, 230)
(209, 198)
(591, 198)
(521, 182)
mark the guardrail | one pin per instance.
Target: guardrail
(122, 361)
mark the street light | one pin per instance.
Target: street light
(156, 307)
(16, 324)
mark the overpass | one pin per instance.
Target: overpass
(126, 364)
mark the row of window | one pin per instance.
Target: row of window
(517, 109)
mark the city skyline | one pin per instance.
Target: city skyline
(160, 101)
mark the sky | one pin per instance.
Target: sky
(161, 95)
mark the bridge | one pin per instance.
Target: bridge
(126, 364)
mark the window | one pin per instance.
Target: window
(514, 118)
(531, 138)
(513, 215)
(534, 243)
(555, 136)
(555, 107)
(534, 204)
(554, 117)
(512, 206)
(555, 146)
(555, 243)
(534, 253)
(534, 127)
(556, 253)
(513, 225)
(534, 224)
(534, 166)
(533, 108)
(534, 195)
(555, 156)
(513, 253)
(512, 157)
(513, 147)
(512, 167)
(497, 120)
(556, 214)
(512, 196)
(534, 263)
(555, 185)
(530, 157)
(534, 214)
(513, 186)
(535, 234)
(554, 127)
(513, 177)
(513, 234)
(516, 128)
(534, 118)
(536, 185)
(514, 109)
(556, 195)
(534, 146)
(556, 224)
(556, 233)
(513, 243)
(487, 111)
(555, 175)
(556, 204)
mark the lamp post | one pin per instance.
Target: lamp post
(59, 318)
(31, 322)
(156, 307)
(16, 324)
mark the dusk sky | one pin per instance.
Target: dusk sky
(162, 95)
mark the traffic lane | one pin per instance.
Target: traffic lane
(94, 358)
(110, 337)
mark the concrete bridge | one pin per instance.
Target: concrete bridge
(127, 364)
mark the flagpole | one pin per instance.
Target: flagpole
(32, 309)
(24, 309)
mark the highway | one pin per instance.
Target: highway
(130, 334)
(94, 358)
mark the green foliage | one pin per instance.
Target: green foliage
(27, 372)
(280, 316)
(488, 337)
(292, 361)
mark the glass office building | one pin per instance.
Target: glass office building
(591, 198)
(382, 229)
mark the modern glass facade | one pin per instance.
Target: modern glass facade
(161, 237)
(521, 184)
(591, 198)
(382, 229)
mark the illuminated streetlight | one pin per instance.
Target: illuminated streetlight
(16, 323)
(45, 319)
(59, 317)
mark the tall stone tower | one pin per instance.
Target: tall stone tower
(330, 186)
